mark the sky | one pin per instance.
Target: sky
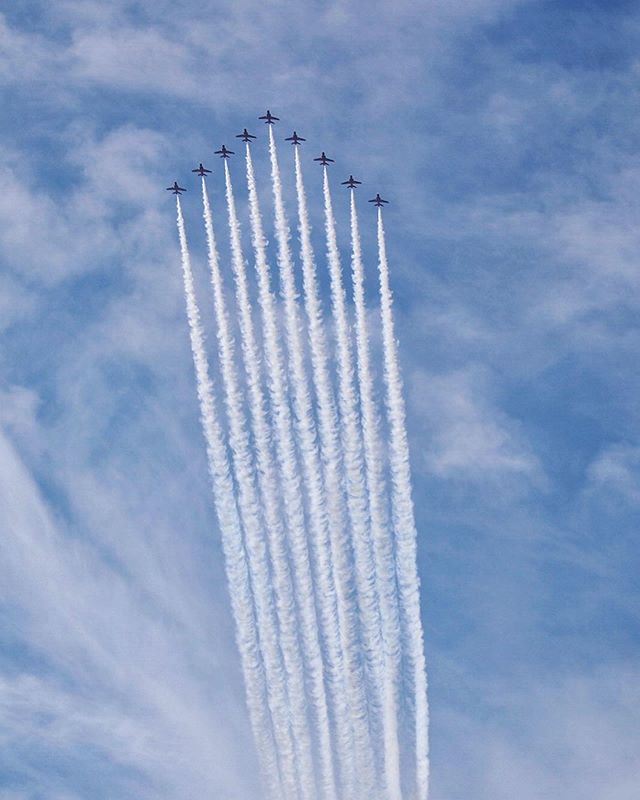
(505, 134)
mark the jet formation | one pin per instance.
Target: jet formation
(245, 136)
(378, 200)
(269, 118)
(224, 153)
(323, 159)
(295, 140)
(351, 183)
(202, 172)
(175, 188)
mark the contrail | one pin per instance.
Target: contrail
(229, 521)
(333, 472)
(295, 520)
(359, 505)
(250, 513)
(319, 505)
(380, 523)
(404, 520)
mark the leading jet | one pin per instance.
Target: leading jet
(224, 153)
(175, 188)
(202, 172)
(269, 119)
(295, 139)
(323, 159)
(378, 200)
(351, 183)
(245, 136)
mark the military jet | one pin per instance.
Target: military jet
(378, 200)
(245, 136)
(269, 118)
(202, 172)
(351, 183)
(224, 153)
(323, 159)
(295, 139)
(175, 188)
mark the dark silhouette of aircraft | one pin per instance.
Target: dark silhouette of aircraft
(295, 139)
(202, 172)
(269, 118)
(245, 136)
(378, 200)
(351, 183)
(224, 153)
(175, 188)
(323, 159)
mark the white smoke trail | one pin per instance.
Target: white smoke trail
(404, 521)
(292, 495)
(366, 578)
(251, 516)
(331, 450)
(228, 518)
(319, 504)
(380, 523)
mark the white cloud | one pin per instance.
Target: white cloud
(468, 437)
(574, 737)
(117, 672)
(47, 237)
(25, 57)
(614, 474)
(16, 302)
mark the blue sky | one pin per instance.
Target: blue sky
(506, 135)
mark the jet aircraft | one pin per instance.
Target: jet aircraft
(175, 188)
(295, 139)
(245, 136)
(323, 159)
(378, 200)
(224, 153)
(202, 172)
(269, 118)
(351, 183)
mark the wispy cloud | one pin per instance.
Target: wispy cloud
(115, 670)
(506, 137)
(468, 437)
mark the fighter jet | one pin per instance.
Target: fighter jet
(295, 139)
(269, 118)
(245, 136)
(351, 183)
(224, 153)
(202, 172)
(378, 200)
(323, 159)
(175, 188)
